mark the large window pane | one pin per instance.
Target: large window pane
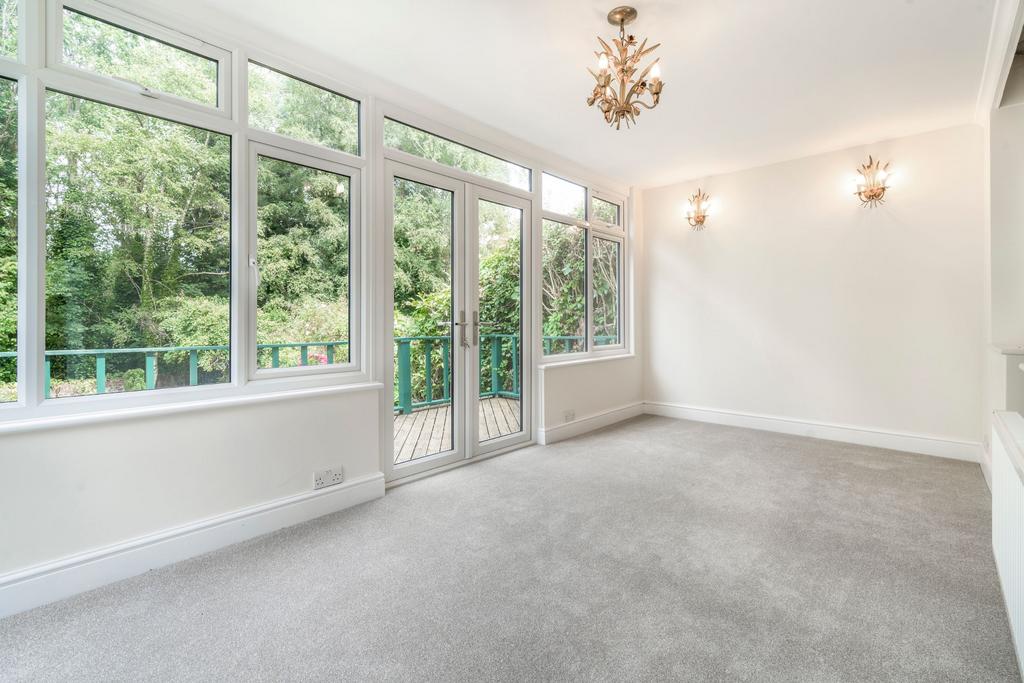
(563, 298)
(113, 51)
(288, 106)
(302, 315)
(137, 250)
(429, 146)
(565, 198)
(605, 211)
(8, 241)
(9, 28)
(606, 278)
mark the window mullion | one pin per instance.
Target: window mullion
(31, 239)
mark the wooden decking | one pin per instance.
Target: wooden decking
(429, 430)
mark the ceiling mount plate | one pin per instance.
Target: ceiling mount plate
(620, 16)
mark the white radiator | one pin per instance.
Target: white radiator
(1008, 518)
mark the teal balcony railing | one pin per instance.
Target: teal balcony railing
(422, 364)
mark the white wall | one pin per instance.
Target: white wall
(1007, 180)
(796, 302)
(73, 489)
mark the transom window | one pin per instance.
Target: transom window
(426, 145)
(297, 109)
(106, 49)
(605, 211)
(563, 197)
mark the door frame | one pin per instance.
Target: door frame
(465, 297)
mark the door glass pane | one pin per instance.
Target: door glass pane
(564, 198)
(138, 251)
(8, 241)
(607, 274)
(110, 50)
(302, 304)
(9, 28)
(425, 346)
(289, 106)
(435, 148)
(500, 241)
(563, 299)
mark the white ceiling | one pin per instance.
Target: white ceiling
(748, 82)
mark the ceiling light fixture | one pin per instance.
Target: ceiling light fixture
(697, 209)
(873, 182)
(619, 87)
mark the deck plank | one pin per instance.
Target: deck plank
(429, 430)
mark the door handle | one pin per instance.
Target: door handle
(476, 327)
(462, 330)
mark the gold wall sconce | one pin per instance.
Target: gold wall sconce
(698, 208)
(873, 181)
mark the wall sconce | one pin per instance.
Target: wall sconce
(697, 209)
(873, 182)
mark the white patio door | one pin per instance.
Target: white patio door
(461, 352)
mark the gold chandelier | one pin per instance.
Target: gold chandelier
(619, 87)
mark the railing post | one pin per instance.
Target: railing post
(303, 355)
(404, 376)
(275, 357)
(445, 364)
(568, 344)
(150, 370)
(428, 368)
(515, 365)
(193, 367)
(46, 379)
(547, 347)
(101, 374)
(330, 354)
(495, 362)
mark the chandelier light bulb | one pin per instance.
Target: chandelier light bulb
(655, 72)
(602, 63)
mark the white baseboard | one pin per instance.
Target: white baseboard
(898, 441)
(550, 435)
(44, 583)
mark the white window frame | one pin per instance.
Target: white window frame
(594, 228)
(35, 77)
(134, 24)
(257, 150)
(609, 198)
(298, 73)
(592, 326)
(38, 68)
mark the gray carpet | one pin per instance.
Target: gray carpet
(654, 550)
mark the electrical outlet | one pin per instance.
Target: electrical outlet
(569, 416)
(324, 478)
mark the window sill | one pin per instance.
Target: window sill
(55, 421)
(600, 358)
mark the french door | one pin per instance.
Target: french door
(461, 351)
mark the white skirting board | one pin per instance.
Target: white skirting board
(898, 441)
(39, 585)
(550, 435)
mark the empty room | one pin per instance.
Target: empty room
(485, 340)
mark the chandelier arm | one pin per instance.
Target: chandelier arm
(642, 76)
